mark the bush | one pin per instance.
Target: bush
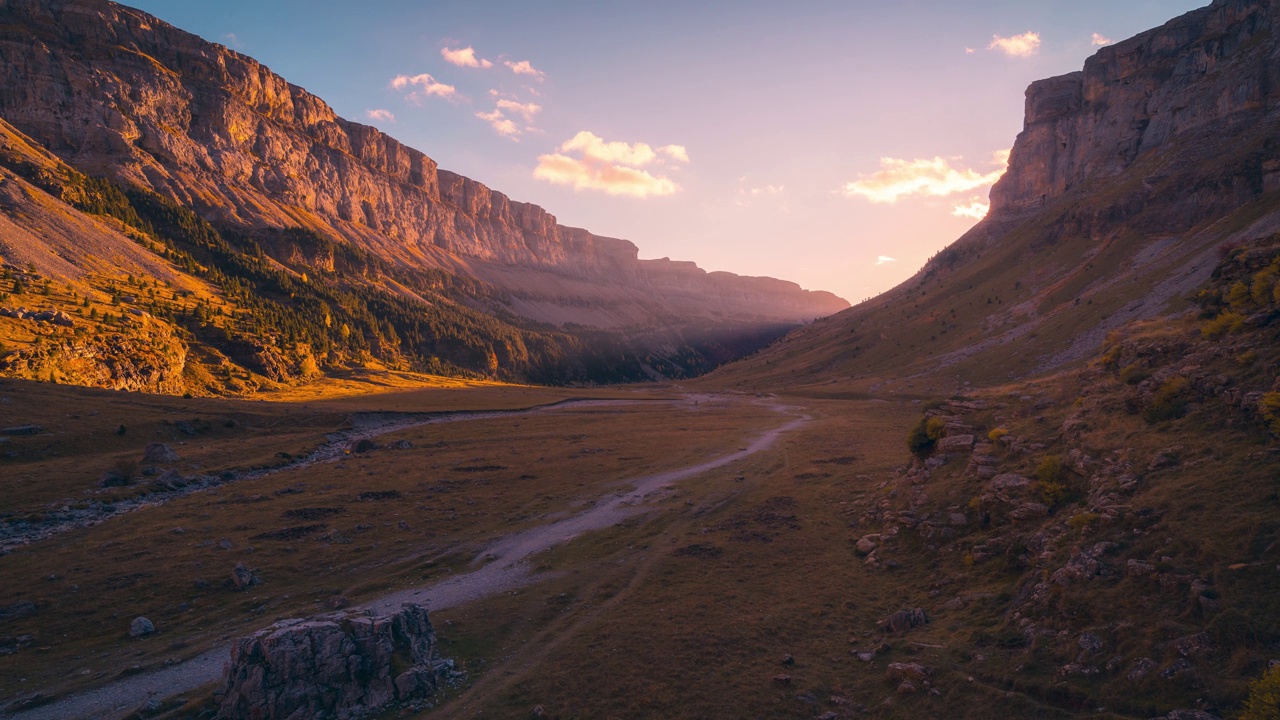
(1134, 374)
(1263, 702)
(1227, 322)
(925, 434)
(1269, 407)
(1049, 473)
(1170, 401)
(995, 435)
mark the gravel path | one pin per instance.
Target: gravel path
(505, 569)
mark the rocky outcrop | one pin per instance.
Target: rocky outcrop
(1210, 69)
(339, 666)
(117, 92)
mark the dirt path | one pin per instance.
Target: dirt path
(506, 568)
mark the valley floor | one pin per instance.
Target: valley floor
(641, 552)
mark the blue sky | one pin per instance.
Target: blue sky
(785, 113)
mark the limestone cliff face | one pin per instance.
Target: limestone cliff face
(118, 92)
(1209, 71)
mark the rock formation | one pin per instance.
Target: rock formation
(344, 665)
(116, 92)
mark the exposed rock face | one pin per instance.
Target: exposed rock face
(1198, 72)
(117, 92)
(339, 666)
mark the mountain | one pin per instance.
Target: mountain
(114, 93)
(1126, 179)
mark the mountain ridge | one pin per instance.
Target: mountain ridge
(218, 131)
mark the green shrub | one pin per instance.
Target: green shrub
(1134, 374)
(1049, 472)
(1227, 322)
(925, 434)
(1170, 401)
(1263, 702)
(1269, 407)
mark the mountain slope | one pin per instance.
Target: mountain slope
(119, 93)
(1125, 180)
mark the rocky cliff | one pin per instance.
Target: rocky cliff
(1212, 71)
(1127, 181)
(117, 92)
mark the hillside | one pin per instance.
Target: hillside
(433, 272)
(1126, 179)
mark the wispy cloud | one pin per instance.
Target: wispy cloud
(1024, 45)
(975, 209)
(464, 57)
(1099, 40)
(423, 86)
(525, 110)
(233, 41)
(611, 167)
(885, 260)
(500, 124)
(937, 177)
(380, 115)
(525, 68)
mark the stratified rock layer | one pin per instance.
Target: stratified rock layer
(340, 666)
(117, 92)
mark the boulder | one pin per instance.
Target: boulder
(956, 443)
(18, 610)
(344, 665)
(912, 672)
(159, 454)
(112, 478)
(905, 620)
(242, 578)
(867, 544)
(141, 627)
(1007, 481)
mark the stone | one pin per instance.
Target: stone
(344, 665)
(1029, 511)
(956, 443)
(1166, 458)
(913, 672)
(907, 688)
(1176, 669)
(113, 478)
(788, 660)
(905, 620)
(141, 627)
(782, 679)
(401, 445)
(1007, 481)
(22, 430)
(1190, 715)
(1089, 643)
(159, 454)
(18, 610)
(365, 446)
(1140, 569)
(867, 544)
(242, 578)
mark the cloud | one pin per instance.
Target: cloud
(897, 179)
(380, 115)
(1100, 40)
(464, 57)
(610, 167)
(975, 209)
(525, 110)
(969, 51)
(766, 190)
(1024, 45)
(423, 86)
(885, 260)
(232, 40)
(500, 124)
(675, 152)
(524, 68)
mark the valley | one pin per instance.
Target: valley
(275, 388)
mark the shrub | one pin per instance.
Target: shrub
(1268, 406)
(995, 435)
(1080, 521)
(1170, 401)
(1263, 702)
(1049, 473)
(925, 434)
(1134, 374)
(1227, 322)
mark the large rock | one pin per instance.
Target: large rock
(905, 620)
(955, 443)
(159, 454)
(338, 666)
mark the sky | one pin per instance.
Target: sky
(835, 143)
